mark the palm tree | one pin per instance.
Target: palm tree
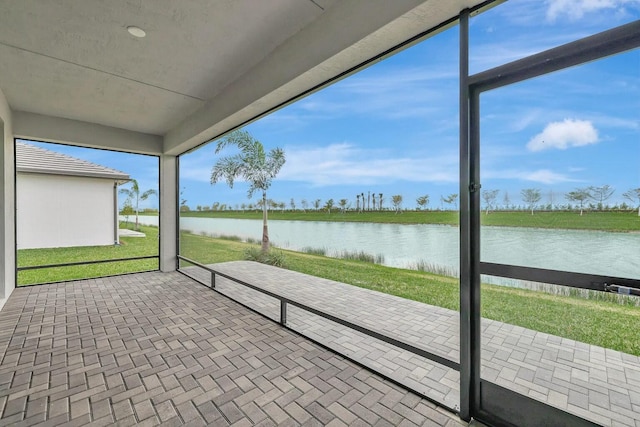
(329, 205)
(531, 196)
(601, 194)
(127, 210)
(489, 197)
(422, 201)
(633, 195)
(579, 195)
(380, 200)
(253, 164)
(506, 200)
(134, 196)
(397, 202)
(357, 203)
(450, 199)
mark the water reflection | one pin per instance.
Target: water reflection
(594, 252)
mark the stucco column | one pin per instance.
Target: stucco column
(3, 216)
(116, 215)
(168, 209)
(7, 200)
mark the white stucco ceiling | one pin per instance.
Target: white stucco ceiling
(205, 65)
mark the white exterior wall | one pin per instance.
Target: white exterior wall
(63, 211)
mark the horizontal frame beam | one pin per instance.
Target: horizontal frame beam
(556, 277)
(71, 264)
(606, 43)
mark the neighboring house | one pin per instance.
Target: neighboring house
(63, 201)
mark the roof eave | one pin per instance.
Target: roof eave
(120, 178)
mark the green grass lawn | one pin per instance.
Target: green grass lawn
(129, 247)
(606, 221)
(602, 323)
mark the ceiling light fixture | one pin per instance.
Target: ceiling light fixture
(136, 31)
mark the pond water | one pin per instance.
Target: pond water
(401, 245)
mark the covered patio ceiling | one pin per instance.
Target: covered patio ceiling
(71, 71)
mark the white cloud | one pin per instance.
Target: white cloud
(545, 176)
(542, 176)
(344, 164)
(576, 9)
(564, 134)
(196, 166)
(618, 122)
(525, 119)
(403, 79)
(200, 174)
(397, 93)
(489, 55)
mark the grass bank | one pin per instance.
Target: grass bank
(605, 221)
(601, 323)
(129, 247)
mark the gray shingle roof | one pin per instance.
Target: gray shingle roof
(32, 159)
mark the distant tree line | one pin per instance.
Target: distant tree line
(591, 198)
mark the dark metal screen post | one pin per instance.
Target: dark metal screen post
(283, 312)
(116, 218)
(177, 210)
(466, 330)
(474, 246)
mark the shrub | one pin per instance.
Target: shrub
(230, 237)
(361, 256)
(314, 251)
(271, 257)
(429, 267)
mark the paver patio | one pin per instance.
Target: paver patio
(599, 384)
(158, 348)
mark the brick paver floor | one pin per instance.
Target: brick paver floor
(599, 384)
(158, 348)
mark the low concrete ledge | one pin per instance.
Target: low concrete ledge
(124, 232)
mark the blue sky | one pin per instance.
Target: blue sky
(393, 127)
